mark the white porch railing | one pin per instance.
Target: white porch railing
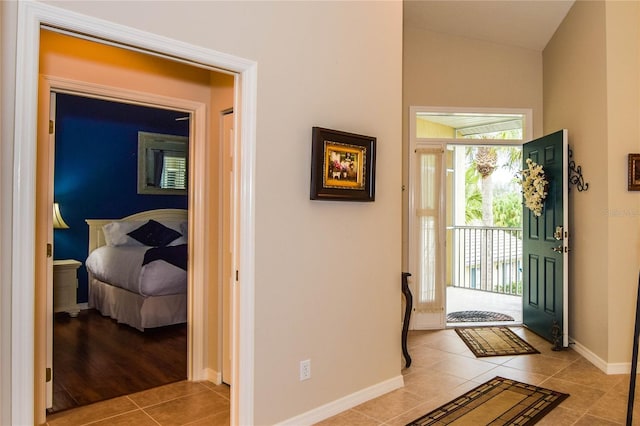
(486, 258)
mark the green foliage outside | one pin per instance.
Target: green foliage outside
(511, 288)
(507, 198)
(507, 210)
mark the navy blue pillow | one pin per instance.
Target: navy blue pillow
(154, 234)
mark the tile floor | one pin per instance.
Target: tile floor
(180, 403)
(442, 369)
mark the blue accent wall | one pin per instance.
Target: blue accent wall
(96, 163)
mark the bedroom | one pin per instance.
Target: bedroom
(79, 192)
(95, 175)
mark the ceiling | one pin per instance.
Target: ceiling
(523, 23)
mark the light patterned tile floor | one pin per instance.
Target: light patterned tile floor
(441, 371)
(181, 403)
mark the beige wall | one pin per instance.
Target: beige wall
(623, 77)
(450, 71)
(591, 88)
(7, 94)
(327, 273)
(575, 99)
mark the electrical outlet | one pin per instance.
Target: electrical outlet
(305, 369)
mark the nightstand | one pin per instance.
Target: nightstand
(65, 284)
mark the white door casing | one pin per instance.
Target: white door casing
(434, 317)
(31, 16)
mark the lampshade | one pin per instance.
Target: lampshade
(58, 221)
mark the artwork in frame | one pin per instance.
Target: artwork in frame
(634, 172)
(342, 166)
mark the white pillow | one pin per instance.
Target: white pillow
(181, 227)
(115, 233)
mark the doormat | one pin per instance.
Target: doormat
(499, 401)
(494, 341)
(477, 316)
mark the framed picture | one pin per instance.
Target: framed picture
(634, 172)
(343, 166)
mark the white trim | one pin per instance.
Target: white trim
(23, 218)
(196, 310)
(345, 403)
(213, 376)
(31, 15)
(527, 134)
(590, 356)
(242, 399)
(607, 368)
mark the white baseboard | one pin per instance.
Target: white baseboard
(213, 376)
(332, 408)
(606, 367)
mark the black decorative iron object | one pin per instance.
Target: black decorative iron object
(575, 174)
(407, 315)
(634, 361)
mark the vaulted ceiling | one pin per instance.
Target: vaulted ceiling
(523, 23)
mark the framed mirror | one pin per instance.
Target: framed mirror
(162, 164)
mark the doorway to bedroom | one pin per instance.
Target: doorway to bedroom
(102, 149)
(206, 91)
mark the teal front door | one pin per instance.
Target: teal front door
(545, 244)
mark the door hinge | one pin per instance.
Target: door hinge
(48, 374)
(51, 127)
(49, 250)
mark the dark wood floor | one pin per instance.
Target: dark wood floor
(95, 358)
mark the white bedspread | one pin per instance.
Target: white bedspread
(122, 267)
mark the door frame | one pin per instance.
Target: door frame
(437, 320)
(227, 260)
(31, 16)
(196, 320)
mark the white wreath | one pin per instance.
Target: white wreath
(534, 186)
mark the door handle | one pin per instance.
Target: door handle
(557, 249)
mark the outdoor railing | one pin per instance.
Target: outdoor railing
(486, 258)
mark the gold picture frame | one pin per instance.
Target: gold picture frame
(342, 166)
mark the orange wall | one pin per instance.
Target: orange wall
(80, 60)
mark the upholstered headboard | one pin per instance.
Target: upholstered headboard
(96, 236)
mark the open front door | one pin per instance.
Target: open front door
(545, 244)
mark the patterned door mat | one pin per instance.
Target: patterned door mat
(478, 316)
(494, 341)
(499, 401)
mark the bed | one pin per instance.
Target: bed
(137, 268)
